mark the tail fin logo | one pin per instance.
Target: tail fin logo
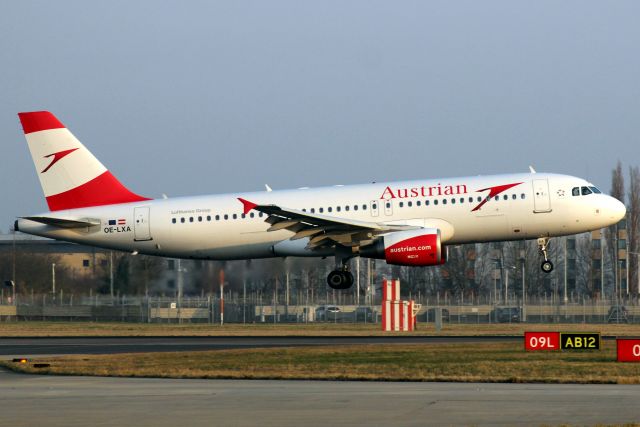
(57, 157)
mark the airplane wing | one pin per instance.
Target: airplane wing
(322, 230)
(61, 222)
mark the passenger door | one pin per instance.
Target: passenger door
(541, 196)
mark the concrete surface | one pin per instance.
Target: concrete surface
(34, 400)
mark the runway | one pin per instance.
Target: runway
(23, 347)
(27, 400)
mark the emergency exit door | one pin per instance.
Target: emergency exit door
(141, 226)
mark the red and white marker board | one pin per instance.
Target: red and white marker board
(391, 290)
(397, 314)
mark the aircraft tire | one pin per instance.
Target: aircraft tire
(340, 279)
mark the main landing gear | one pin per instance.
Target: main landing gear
(341, 277)
(547, 266)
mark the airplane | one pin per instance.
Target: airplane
(408, 223)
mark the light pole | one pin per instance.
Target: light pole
(357, 281)
(53, 279)
(111, 275)
(495, 282)
(506, 283)
(565, 271)
(637, 269)
(180, 289)
(524, 293)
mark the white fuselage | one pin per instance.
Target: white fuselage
(214, 227)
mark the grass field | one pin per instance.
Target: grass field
(45, 329)
(494, 362)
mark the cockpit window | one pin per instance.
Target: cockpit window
(575, 191)
(585, 191)
(595, 190)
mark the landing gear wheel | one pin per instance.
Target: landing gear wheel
(547, 266)
(339, 279)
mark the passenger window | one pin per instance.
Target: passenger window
(426, 203)
(497, 198)
(585, 191)
(461, 199)
(190, 219)
(313, 210)
(364, 207)
(444, 201)
(235, 216)
(514, 197)
(217, 217)
(453, 201)
(409, 204)
(182, 220)
(435, 202)
(388, 205)
(226, 216)
(346, 208)
(321, 210)
(374, 206)
(355, 207)
(338, 208)
(208, 217)
(173, 220)
(418, 203)
(260, 214)
(522, 196)
(243, 216)
(470, 199)
(251, 215)
(329, 209)
(575, 191)
(480, 198)
(505, 197)
(401, 204)
(199, 219)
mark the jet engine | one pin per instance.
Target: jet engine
(419, 247)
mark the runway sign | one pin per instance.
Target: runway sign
(542, 341)
(580, 341)
(628, 349)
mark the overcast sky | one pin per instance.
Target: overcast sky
(188, 98)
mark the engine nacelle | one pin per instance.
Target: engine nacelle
(420, 247)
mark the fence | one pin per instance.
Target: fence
(329, 307)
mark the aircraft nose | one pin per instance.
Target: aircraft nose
(616, 210)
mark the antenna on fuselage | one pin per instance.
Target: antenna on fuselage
(531, 169)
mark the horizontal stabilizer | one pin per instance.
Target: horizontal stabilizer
(63, 223)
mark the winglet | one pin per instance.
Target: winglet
(248, 206)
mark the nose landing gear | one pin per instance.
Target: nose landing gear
(547, 266)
